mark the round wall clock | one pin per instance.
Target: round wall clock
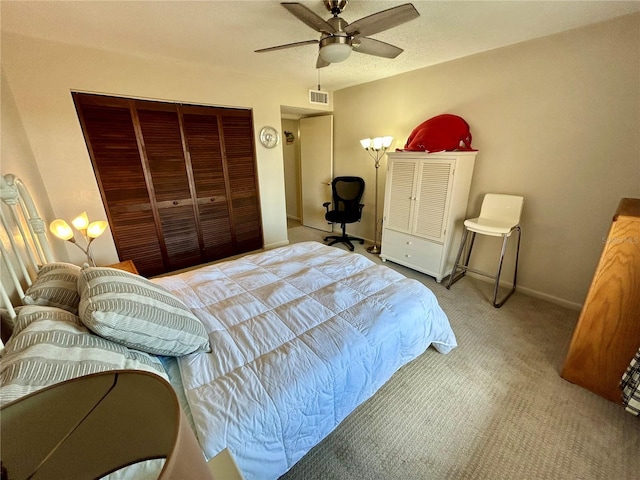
(269, 137)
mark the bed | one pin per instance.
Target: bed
(267, 353)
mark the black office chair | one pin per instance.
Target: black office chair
(347, 193)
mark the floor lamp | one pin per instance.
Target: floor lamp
(376, 148)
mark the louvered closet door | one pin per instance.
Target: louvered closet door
(112, 143)
(203, 141)
(434, 190)
(243, 183)
(179, 182)
(164, 152)
(400, 197)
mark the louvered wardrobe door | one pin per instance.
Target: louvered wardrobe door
(243, 181)
(164, 152)
(434, 189)
(203, 140)
(112, 144)
(400, 195)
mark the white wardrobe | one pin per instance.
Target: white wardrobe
(425, 205)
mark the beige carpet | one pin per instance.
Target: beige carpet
(494, 408)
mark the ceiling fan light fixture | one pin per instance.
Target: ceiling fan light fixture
(335, 49)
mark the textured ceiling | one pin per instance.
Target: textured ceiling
(224, 34)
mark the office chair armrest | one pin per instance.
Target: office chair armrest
(326, 205)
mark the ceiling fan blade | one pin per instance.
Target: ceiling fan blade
(381, 21)
(308, 17)
(321, 62)
(375, 47)
(287, 45)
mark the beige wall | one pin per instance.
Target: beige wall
(16, 157)
(556, 120)
(291, 155)
(42, 74)
(15, 151)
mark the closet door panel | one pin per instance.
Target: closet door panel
(205, 150)
(164, 153)
(111, 139)
(138, 239)
(178, 228)
(216, 233)
(245, 205)
(205, 153)
(165, 156)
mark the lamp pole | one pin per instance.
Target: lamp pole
(376, 148)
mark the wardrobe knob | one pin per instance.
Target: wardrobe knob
(175, 202)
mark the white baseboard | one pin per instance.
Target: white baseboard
(550, 298)
(532, 293)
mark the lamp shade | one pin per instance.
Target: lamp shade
(366, 143)
(95, 229)
(335, 48)
(61, 229)
(387, 141)
(81, 222)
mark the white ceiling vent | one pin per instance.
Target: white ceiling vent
(319, 97)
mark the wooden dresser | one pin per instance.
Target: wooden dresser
(607, 335)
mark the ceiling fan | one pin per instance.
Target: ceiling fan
(339, 38)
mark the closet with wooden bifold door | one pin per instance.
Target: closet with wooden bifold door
(179, 182)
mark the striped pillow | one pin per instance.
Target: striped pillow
(55, 286)
(50, 345)
(129, 309)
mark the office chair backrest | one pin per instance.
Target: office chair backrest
(347, 193)
(505, 208)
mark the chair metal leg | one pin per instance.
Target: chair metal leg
(471, 241)
(515, 271)
(453, 278)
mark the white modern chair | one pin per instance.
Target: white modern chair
(499, 217)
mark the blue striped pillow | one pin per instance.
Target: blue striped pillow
(129, 309)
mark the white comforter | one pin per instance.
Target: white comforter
(300, 336)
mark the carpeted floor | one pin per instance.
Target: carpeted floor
(494, 408)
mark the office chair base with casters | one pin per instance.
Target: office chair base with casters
(347, 193)
(344, 238)
(499, 217)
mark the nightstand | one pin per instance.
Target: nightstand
(127, 266)
(224, 466)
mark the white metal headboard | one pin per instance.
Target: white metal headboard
(24, 246)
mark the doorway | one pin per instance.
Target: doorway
(308, 168)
